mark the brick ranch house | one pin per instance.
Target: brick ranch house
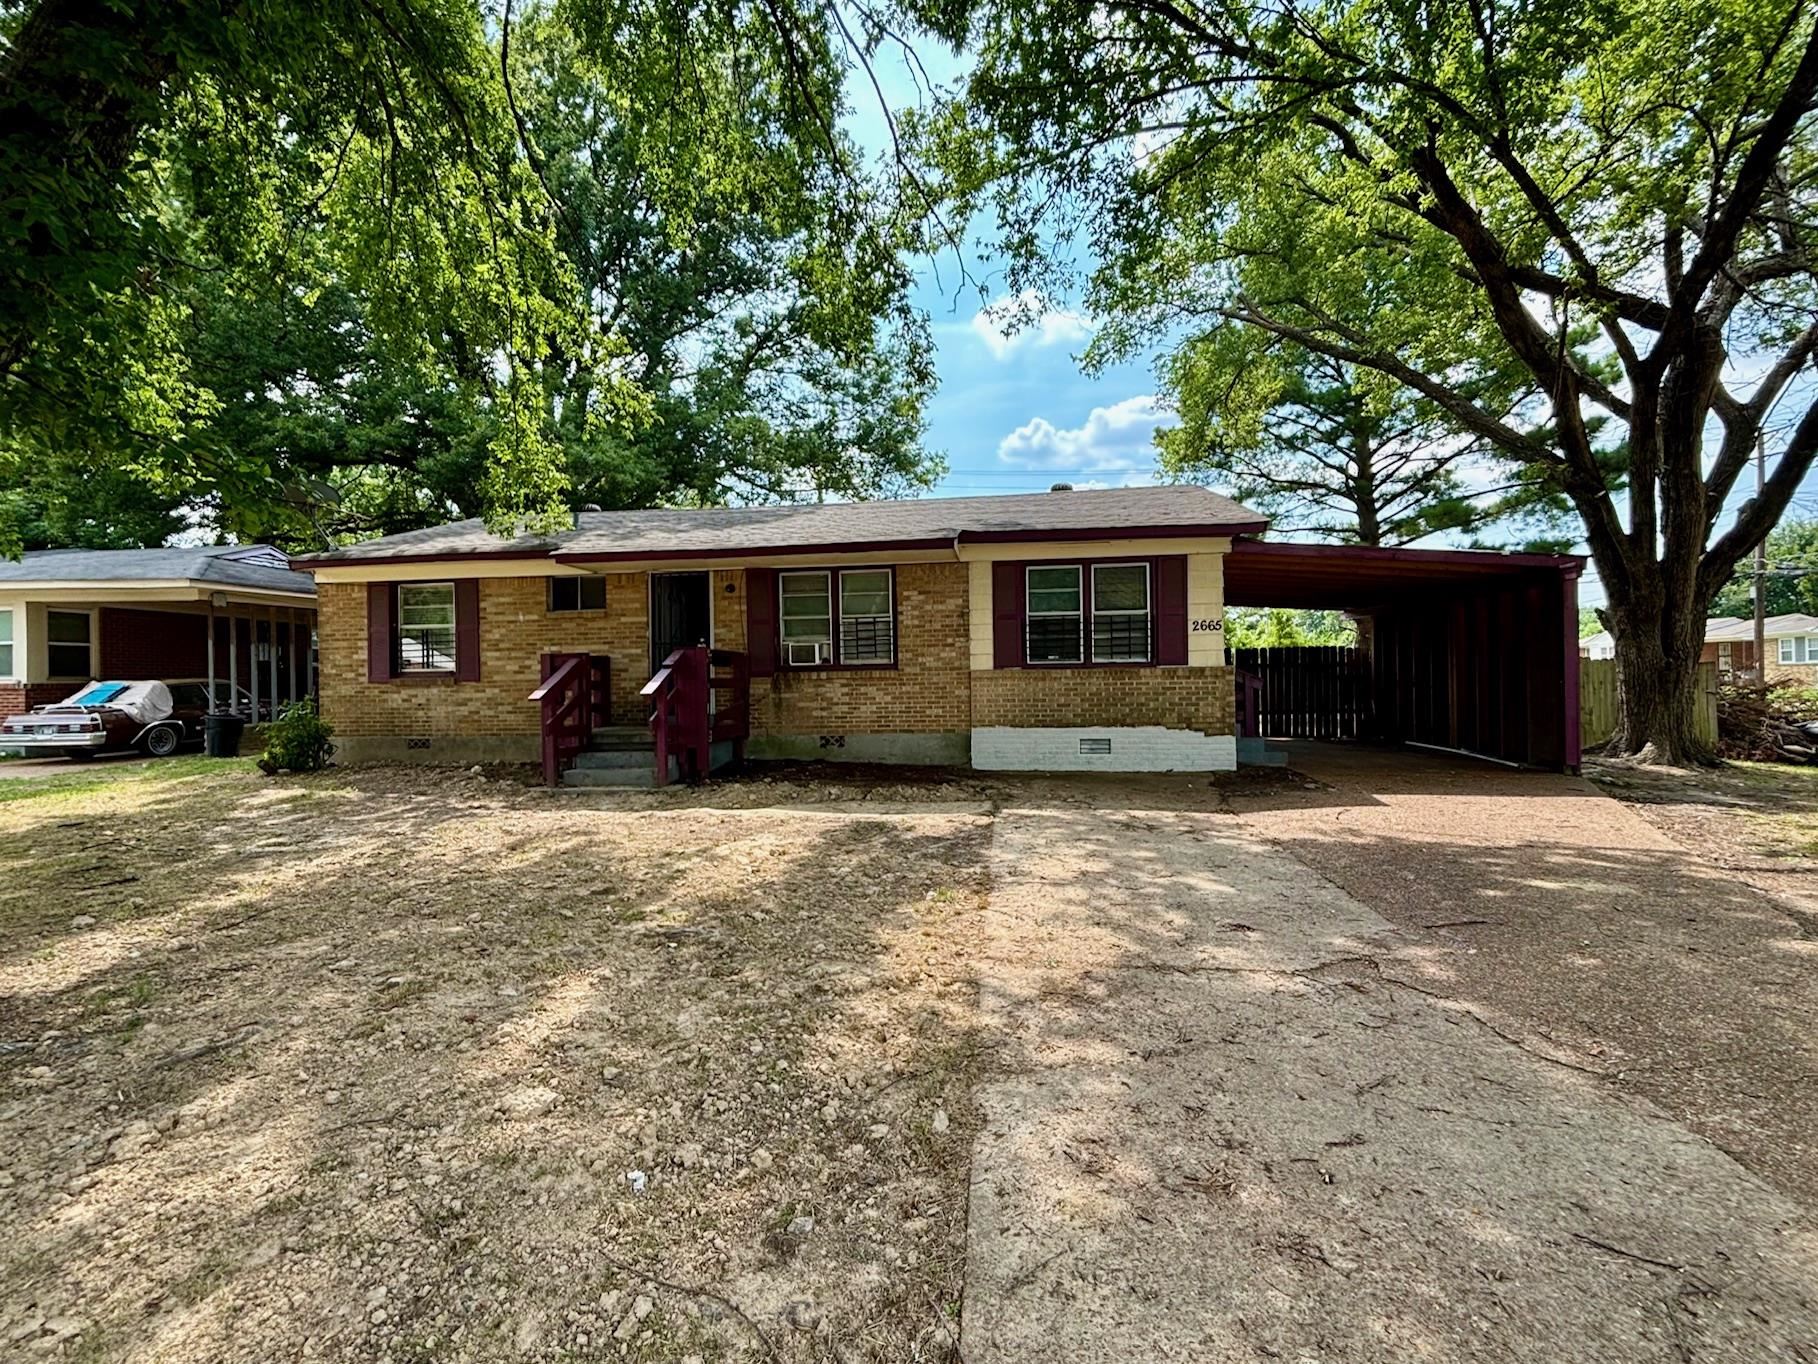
(70, 616)
(1068, 630)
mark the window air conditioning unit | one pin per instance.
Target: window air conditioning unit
(807, 655)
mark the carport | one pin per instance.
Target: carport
(1467, 650)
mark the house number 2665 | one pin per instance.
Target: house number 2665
(1208, 625)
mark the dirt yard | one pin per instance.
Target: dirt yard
(401, 1066)
(1394, 1058)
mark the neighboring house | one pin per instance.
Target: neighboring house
(1791, 640)
(68, 616)
(1729, 642)
(1060, 630)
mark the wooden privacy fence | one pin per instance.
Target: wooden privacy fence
(1311, 692)
(1597, 711)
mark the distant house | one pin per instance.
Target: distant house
(69, 616)
(1729, 642)
(1792, 646)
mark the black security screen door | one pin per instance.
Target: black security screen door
(679, 613)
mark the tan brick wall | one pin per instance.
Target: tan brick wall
(933, 690)
(1178, 698)
(516, 628)
(1800, 674)
(926, 693)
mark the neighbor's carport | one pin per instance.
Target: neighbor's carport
(1459, 649)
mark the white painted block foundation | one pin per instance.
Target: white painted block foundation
(1136, 748)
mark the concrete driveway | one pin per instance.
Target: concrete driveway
(1244, 1113)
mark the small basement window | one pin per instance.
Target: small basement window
(426, 628)
(577, 594)
(1055, 619)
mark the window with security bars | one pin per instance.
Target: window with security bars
(426, 628)
(1054, 618)
(1120, 613)
(867, 630)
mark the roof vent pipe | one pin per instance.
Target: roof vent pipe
(1060, 487)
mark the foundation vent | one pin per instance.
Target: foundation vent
(1095, 746)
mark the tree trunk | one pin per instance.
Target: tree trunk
(1657, 685)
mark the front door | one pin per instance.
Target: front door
(680, 614)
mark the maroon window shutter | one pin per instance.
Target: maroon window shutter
(1007, 610)
(760, 620)
(1171, 609)
(467, 629)
(380, 612)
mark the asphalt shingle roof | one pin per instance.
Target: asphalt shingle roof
(730, 530)
(251, 566)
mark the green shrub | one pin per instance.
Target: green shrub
(298, 740)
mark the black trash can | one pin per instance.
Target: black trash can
(222, 739)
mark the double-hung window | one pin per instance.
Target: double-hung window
(837, 618)
(867, 631)
(1799, 649)
(426, 628)
(68, 635)
(6, 643)
(1055, 619)
(807, 617)
(1120, 613)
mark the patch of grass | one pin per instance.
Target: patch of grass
(210, 1274)
(81, 780)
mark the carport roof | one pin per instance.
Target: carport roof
(1359, 577)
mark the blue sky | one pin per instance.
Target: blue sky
(1014, 413)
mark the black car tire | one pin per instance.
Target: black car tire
(161, 740)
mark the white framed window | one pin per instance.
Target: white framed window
(1054, 616)
(426, 627)
(1120, 613)
(867, 625)
(69, 639)
(6, 643)
(805, 612)
(577, 594)
(1799, 649)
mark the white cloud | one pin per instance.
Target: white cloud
(1007, 324)
(1120, 436)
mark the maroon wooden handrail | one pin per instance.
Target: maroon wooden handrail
(576, 699)
(699, 697)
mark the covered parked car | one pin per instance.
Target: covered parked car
(113, 717)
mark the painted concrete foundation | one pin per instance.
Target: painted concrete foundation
(440, 749)
(1136, 748)
(922, 750)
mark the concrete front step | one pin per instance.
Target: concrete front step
(616, 757)
(622, 737)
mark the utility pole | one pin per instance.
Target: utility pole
(1761, 570)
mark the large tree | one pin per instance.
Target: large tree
(1434, 192)
(167, 165)
(1332, 449)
